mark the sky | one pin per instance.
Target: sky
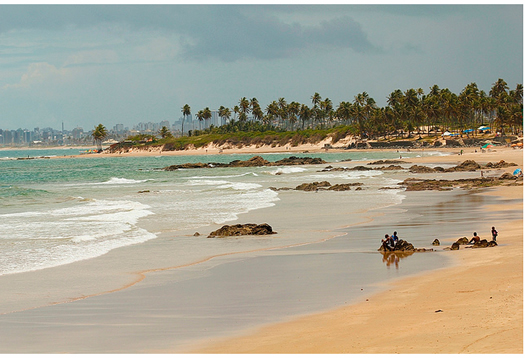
(82, 65)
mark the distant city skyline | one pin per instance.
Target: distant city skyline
(124, 64)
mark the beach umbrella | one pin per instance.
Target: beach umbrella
(483, 128)
(447, 133)
(468, 130)
(488, 145)
(516, 172)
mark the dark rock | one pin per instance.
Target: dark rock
(344, 187)
(401, 245)
(436, 242)
(420, 169)
(462, 241)
(242, 229)
(313, 186)
(455, 246)
(507, 176)
(481, 243)
(467, 165)
(492, 243)
(500, 164)
(299, 161)
(256, 161)
(358, 188)
(387, 161)
(360, 168)
(196, 234)
(391, 167)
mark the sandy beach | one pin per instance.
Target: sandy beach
(475, 306)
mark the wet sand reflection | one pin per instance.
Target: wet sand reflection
(393, 257)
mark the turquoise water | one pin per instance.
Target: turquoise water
(61, 210)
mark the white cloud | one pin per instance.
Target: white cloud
(92, 57)
(38, 73)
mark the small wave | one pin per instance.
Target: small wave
(348, 175)
(240, 186)
(83, 238)
(118, 181)
(286, 170)
(222, 176)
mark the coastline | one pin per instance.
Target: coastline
(128, 263)
(473, 306)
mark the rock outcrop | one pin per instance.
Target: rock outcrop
(242, 229)
(256, 161)
(436, 242)
(466, 166)
(324, 185)
(414, 184)
(402, 245)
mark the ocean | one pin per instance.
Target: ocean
(56, 209)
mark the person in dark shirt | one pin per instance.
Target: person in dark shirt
(494, 233)
(475, 239)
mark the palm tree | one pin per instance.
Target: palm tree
(293, 111)
(200, 117)
(257, 112)
(186, 111)
(316, 99)
(164, 132)
(206, 114)
(304, 114)
(244, 106)
(224, 113)
(272, 111)
(98, 134)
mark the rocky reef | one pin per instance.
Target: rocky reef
(324, 185)
(242, 229)
(403, 246)
(256, 161)
(414, 184)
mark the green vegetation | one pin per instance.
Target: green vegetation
(98, 134)
(406, 112)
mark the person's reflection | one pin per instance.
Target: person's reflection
(393, 257)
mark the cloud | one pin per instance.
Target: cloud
(223, 32)
(91, 57)
(38, 73)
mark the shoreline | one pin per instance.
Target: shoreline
(325, 230)
(475, 306)
(265, 149)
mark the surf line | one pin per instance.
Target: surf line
(141, 275)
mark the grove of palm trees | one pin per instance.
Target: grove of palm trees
(406, 113)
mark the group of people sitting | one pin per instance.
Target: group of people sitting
(475, 239)
(390, 241)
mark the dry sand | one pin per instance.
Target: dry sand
(476, 306)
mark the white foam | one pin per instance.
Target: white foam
(240, 186)
(120, 181)
(286, 170)
(222, 176)
(65, 235)
(355, 174)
